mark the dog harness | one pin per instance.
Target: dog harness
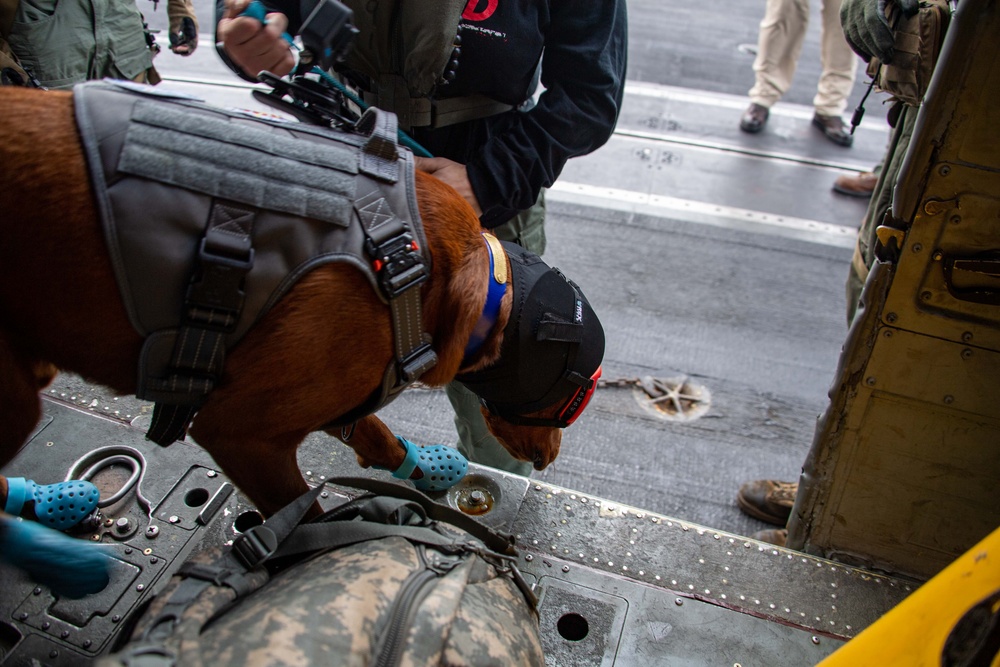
(211, 216)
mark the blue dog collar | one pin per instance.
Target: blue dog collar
(494, 295)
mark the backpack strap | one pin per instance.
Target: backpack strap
(495, 541)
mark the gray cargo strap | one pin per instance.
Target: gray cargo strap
(212, 308)
(380, 156)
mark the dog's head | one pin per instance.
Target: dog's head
(549, 363)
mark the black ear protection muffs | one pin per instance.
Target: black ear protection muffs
(552, 348)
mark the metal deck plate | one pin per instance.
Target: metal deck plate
(618, 585)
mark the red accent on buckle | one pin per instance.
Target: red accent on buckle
(377, 264)
(580, 399)
(414, 247)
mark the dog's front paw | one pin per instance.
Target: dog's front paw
(440, 467)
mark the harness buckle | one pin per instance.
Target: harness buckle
(215, 299)
(418, 362)
(398, 264)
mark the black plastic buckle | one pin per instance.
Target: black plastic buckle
(417, 363)
(215, 299)
(402, 266)
(255, 546)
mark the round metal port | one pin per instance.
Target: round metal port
(475, 495)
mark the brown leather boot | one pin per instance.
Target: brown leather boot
(834, 128)
(754, 118)
(768, 500)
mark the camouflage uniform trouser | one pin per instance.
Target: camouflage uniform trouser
(880, 204)
(475, 441)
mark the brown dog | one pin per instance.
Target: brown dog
(292, 373)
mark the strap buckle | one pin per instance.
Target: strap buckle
(255, 546)
(215, 299)
(418, 362)
(398, 263)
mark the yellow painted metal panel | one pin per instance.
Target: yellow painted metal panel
(913, 634)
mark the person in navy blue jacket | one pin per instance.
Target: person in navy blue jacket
(517, 140)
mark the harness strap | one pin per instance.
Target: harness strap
(380, 156)
(400, 269)
(212, 309)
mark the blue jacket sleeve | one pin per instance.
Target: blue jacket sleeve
(583, 73)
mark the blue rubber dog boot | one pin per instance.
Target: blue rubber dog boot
(60, 506)
(443, 467)
(71, 568)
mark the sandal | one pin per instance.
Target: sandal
(60, 506)
(443, 467)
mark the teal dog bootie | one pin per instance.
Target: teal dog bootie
(60, 506)
(442, 466)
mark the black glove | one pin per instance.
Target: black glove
(867, 29)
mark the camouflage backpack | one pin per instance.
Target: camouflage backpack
(387, 579)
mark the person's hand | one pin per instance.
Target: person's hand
(867, 28)
(452, 173)
(255, 46)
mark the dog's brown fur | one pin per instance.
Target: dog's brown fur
(316, 355)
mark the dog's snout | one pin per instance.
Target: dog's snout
(539, 462)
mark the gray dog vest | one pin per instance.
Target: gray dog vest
(211, 216)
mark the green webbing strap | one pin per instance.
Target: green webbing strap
(502, 544)
(334, 535)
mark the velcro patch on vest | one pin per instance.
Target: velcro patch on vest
(261, 168)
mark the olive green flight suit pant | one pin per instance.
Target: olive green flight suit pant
(880, 204)
(66, 42)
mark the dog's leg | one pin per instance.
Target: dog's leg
(374, 444)
(20, 408)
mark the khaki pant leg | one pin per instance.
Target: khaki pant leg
(474, 438)
(779, 44)
(839, 64)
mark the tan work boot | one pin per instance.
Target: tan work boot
(768, 500)
(857, 185)
(775, 536)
